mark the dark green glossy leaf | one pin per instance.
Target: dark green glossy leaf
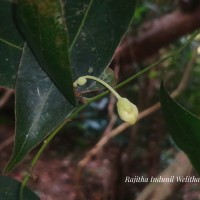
(11, 45)
(40, 108)
(95, 29)
(184, 127)
(10, 190)
(43, 25)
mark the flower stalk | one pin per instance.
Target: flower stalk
(127, 111)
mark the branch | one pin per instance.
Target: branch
(157, 34)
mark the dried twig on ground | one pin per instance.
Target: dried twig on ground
(111, 115)
(7, 94)
(162, 190)
(4, 99)
(6, 143)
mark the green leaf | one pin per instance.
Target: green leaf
(43, 25)
(40, 108)
(11, 45)
(184, 127)
(95, 29)
(10, 190)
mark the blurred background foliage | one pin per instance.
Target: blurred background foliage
(142, 150)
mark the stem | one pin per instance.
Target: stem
(143, 71)
(192, 37)
(104, 84)
(37, 156)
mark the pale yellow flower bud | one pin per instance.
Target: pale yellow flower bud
(127, 111)
(80, 81)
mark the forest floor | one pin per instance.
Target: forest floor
(54, 175)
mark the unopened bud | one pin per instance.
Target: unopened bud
(127, 111)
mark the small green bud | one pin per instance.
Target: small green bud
(127, 111)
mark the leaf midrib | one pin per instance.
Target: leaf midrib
(35, 121)
(10, 44)
(81, 25)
